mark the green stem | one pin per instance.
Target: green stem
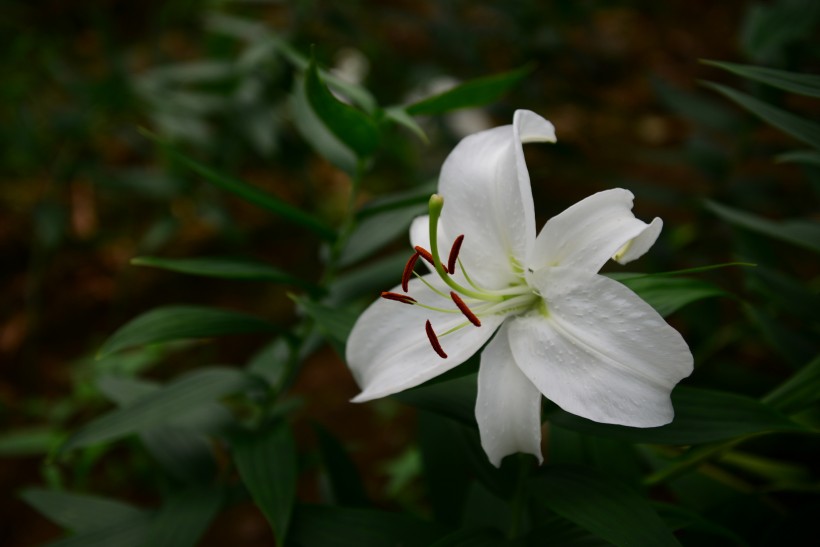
(519, 497)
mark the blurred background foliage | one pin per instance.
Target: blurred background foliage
(218, 87)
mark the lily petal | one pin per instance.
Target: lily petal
(600, 352)
(488, 198)
(592, 231)
(388, 350)
(508, 405)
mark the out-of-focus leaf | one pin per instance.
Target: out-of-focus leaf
(796, 126)
(769, 28)
(669, 294)
(266, 461)
(225, 268)
(446, 477)
(345, 526)
(703, 110)
(787, 293)
(184, 454)
(472, 537)
(130, 532)
(701, 416)
(335, 323)
(795, 347)
(680, 518)
(79, 512)
(555, 530)
(248, 192)
(804, 233)
(476, 92)
(795, 82)
(271, 362)
(604, 507)
(798, 392)
(354, 128)
(419, 195)
(317, 134)
(181, 322)
(367, 279)
(806, 157)
(345, 482)
(374, 232)
(178, 397)
(453, 398)
(400, 116)
(29, 442)
(184, 518)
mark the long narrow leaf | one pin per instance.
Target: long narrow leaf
(184, 518)
(248, 192)
(79, 512)
(795, 82)
(175, 400)
(804, 233)
(181, 322)
(701, 416)
(476, 92)
(224, 268)
(607, 509)
(797, 127)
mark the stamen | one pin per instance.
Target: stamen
(425, 254)
(451, 261)
(464, 309)
(431, 335)
(408, 271)
(403, 298)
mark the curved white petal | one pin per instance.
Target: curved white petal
(592, 231)
(487, 197)
(508, 405)
(600, 352)
(388, 350)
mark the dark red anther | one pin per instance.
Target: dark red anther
(403, 298)
(431, 334)
(408, 271)
(451, 261)
(425, 254)
(468, 313)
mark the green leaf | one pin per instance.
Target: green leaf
(345, 482)
(472, 537)
(184, 518)
(248, 192)
(602, 506)
(29, 442)
(807, 157)
(804, 233)
(796, 126)
(419, 195)
(453, 398)
(669, 294)
(335, 323)
(130, 532)
(181, 322)
(316, 133)
(476, 92)
(79, 512)
(266, 461)
(680, 518)
(704, 110)
(400, 116)
(795, 82)
(798, 392)
(555, 530)
(701, 416)
(376, 231)
(354, 128)
(345, 526)
(184, 454)
(224, 268)
(367, 279)
(183, 395)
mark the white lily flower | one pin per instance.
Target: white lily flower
(584, 341)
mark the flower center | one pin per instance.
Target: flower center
(472, 301)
